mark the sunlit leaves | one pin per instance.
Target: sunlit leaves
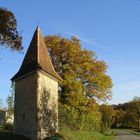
(80, 70)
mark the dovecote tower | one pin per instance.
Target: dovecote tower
(36, 93)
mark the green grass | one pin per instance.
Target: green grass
(83, 135)
(134, 132)
(1, 127)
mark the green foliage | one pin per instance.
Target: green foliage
(10, 103)
(9, 35)
(8, 127)
(76, 120)
(107, 118)
(83, 135)
(118, 119)
(128, 115)
(133, 114)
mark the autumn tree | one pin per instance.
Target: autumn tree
(84, 82)
(9, 36)
(107, 114)
(128, 114)
(119, 119)
(83, 75)
(133, 114)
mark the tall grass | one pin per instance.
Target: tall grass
(83, 135)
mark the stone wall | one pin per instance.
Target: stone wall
(47, 105)
(36, 106)
(25, 114)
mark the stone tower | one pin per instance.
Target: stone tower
(36, 93)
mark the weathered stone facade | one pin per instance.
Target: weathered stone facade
(36, 93)
(25, 112)
(47, 104)
(36, 105)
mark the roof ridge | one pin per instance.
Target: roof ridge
(37, 56)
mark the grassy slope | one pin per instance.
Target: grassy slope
(134, 132)
(84, 135)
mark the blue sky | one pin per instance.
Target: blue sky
(111, 28)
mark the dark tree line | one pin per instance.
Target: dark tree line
(127, 115)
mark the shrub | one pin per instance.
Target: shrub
(55, 137)
(75, 120)
(8, 126)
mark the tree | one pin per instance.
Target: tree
(107, 116)
(90, 119)
(84, 81)
(9, 35)
(133, 114)
(1, 103)
(83, 75)
(136, 98)
(10, 105)
(118, 119)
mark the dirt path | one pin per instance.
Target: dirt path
(125, 135)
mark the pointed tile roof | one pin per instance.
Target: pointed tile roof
(37, 57)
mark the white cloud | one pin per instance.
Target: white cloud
(88, 41)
